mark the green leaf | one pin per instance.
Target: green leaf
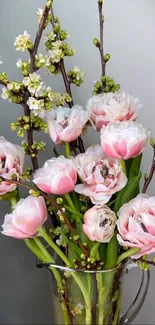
(128, 192)
(135, 166)
(55, 152)
(71, 244)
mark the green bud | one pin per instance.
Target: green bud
(146, 176)
(102, 18)
(33, 155)
(100, 2)
(117, 87)
(83, 256)
(111, 83)
(98, 85)
(103, 78)
(34, 193)
(26, 127)
(107, 89)
(76, 237)
(56, 29)
(13, 126)
(107, 57)
(152, 142)
(59, 200)
(49, 3)
(26, 118)
(96, 42)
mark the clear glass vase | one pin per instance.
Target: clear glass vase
(83, 297)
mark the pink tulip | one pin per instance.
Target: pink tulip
(11, 162)
(136, 225)
(101, 176)
(99, 223)
(124, 139)
(112, 107)
(57, 176)
(28, 215)
(65, 124)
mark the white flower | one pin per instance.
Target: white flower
(50, 37)
(42, 60)
(35, 84)
(23, 42)
(19, 63)
(40, 13)
(0, 60)
(37, 106)
(56, 55)
(13, 86)
(5, 93)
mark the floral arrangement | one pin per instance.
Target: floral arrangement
(92, 197)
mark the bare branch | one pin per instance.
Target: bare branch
(150, 176)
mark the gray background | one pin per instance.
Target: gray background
(25, 295)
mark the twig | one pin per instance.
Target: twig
(67, 83)
(33, 53)
(145, 261)
(38, 38)
(152, 170)
(101, 49)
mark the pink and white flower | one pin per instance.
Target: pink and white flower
(99, 223)
(111, 107)
(57, 176)
(101, 176)
(124, 139)
(65, 124)
(28, 215)
(11, 162)
(136, 225)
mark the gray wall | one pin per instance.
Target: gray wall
(25, 296)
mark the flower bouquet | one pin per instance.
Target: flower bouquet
(98, 217)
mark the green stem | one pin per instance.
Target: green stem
(54, 246)
(94, 250)
(112, 251)
(123, 166)
(76, 200)
(69, 200)
(75, 276)
(13, 202)
(131, 251)
(67, 149)
(39, 250)
(74, 211)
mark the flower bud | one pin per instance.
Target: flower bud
(96, 42)
(107, 57)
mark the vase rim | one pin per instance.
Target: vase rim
(71, 269)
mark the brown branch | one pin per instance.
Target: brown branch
(3, 83)
(101, 49)
(150, 176)
(33, 53)
(38, 38)
(145, 261)
(67, 83)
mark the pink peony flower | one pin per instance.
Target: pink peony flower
(124, 139)
(28, 215)
(99, 223)
(112, 107)
(57, 176)
(101, 176)
(11, 162)
(136, 225)
(65, 124)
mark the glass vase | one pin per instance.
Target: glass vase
(83, 297)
